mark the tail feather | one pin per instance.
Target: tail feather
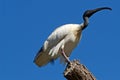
(42, 59)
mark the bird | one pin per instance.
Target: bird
(61, 42)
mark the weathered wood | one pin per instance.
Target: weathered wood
(76, 71)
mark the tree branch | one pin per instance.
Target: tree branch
(76, 71)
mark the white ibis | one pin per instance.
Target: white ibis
(63, 40)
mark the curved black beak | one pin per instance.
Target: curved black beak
(89, 13)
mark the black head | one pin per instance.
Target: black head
(89, 13)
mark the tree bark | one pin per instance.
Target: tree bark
(76, 71)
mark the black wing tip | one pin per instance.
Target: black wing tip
(34, 61)
(38, 53)
(41, 49)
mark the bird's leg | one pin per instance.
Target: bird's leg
(64, 55)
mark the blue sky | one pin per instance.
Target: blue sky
(25, 24)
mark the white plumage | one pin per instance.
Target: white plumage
(65, 37)
(63, 40)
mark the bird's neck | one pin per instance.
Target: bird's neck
(85, 23)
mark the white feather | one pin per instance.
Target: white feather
(67, 35)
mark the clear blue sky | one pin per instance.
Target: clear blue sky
(25, 24)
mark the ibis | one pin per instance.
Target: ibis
(61, 42)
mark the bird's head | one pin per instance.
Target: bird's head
(88, 13)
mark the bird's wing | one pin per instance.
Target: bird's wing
(54, 40)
